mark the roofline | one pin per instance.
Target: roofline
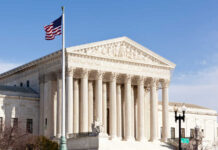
(56, 53)
(125, 39)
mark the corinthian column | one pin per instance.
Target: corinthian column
(119, 112)
(140, 99)
(154, 110)
(112, 99)
(76, 107)
(69, 96)
(84, 101)
(165, 112)
(98, 95)
(104, 103)
(41, 105)
(90, 88)
(59, 94)
(128, 118)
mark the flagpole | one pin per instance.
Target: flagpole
(63, 145)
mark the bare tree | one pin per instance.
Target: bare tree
(14, 138)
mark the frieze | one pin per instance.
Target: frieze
(120, 67)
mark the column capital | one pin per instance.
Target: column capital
(84, 73)
(128, 78)
(140, 80)
(165, 83)
(70, 71)
(99, 74)
(113, 76)
(154, 82)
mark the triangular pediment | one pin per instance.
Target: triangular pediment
(122, 49)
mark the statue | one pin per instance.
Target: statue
(97, 127)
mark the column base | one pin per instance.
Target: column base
(164, 140)
(143, 140)
(130, 138)
(103, 135)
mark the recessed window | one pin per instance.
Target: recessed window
(192, 132)
(27, 83)
(21, 84)
(14, 122)
(29, 126)
(183, 132)
(1, 124)
(46, 123)
(172, 132)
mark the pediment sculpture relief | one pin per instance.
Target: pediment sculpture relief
(122, 51)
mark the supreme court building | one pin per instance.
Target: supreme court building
(112, 84)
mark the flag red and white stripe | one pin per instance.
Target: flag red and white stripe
(53, 29)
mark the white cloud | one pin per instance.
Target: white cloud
(199, 88)
(5, 66)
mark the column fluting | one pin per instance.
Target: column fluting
(140, 98)
(104, 107)
(90, 97)
(128, 111)
(165, 112)
(98, 96)
(69, 102)
(154, 110)
(119, 112)
(112, 99)
(84, 102)
(76, 106)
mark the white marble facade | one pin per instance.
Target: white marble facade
(114, 82)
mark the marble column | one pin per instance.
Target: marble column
(165, 111)
(140, 98)
(54, 110)
(50, 90)
(104, 107)
(128, 111)
(59, 98)
(154, 110)
(90, 97)
(119, 112)
(41, 105)
(75, 106)
(147, 112)
(69, 102)
(133, 114)
(84, 102)
(98, 96)
(112, 99)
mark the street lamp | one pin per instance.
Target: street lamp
(180, 118)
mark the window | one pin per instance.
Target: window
(14, 122)
(161, 134)
(217, 131)
(27, 83)
(183, 132)
(46, 123)
(192, 132)
(29, 126)
(172, 133)
(21, 84)
(1, 124)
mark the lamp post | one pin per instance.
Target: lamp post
(180, 118)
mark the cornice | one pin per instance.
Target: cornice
(31, 64)
(117, 60)
(20, 97)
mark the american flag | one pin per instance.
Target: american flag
(53, 29)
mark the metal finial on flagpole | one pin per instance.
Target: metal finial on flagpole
(63, 142)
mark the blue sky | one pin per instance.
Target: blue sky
(183, 31)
